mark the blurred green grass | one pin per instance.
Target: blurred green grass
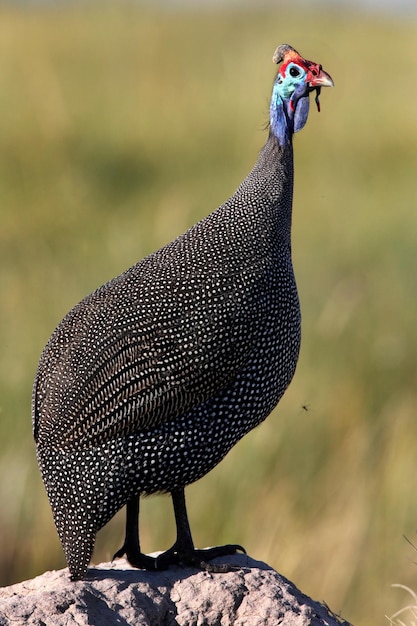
(121, 126)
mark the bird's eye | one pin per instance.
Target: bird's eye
(294, 71)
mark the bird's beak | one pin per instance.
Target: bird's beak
(318, 78)
(322, 79)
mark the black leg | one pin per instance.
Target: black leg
(183, 550)
(184, 541)
(131, 546)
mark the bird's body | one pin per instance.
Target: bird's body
(149, 381)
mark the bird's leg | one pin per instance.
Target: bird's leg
(131, 545)
(183, 550)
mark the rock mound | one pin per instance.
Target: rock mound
(115, 594)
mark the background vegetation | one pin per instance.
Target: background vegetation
(120, 126)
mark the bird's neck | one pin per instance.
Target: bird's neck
(269, 186)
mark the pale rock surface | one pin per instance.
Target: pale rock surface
(115, 594)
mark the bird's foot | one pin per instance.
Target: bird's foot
(135, 557)
(198, 558)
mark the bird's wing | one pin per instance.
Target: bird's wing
(128, 359)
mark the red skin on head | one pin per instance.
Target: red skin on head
(312, 69)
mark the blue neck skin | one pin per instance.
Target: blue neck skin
(288, 114)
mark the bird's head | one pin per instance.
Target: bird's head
(296, 78)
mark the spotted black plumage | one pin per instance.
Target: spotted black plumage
(149, 381)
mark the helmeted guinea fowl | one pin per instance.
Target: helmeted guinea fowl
(149, 381)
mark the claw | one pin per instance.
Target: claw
(119, 554)
(136, 558)
(199, 558)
